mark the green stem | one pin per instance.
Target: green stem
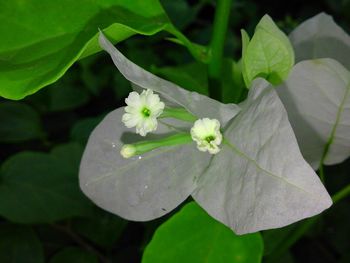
(321, 173)
(341, 194)
(199, 52)
(178, 113)
(303, 228)
(222, 14)
(129, 150)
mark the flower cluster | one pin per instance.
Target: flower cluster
(142, 112)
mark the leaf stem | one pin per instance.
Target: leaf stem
(321, 173)
(344, 192)
(217, 44)
(199, 52)
(303, 228)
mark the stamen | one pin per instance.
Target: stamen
(146, 112)
(210, 138)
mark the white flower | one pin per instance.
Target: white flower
(206, 132)
(142, 111)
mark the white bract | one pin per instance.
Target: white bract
(259, 179)
(206, 133)
(317, 92)
(142, 111)
(322, 126)
(321, 37)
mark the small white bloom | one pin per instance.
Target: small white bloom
(206, 132)
(142, 111)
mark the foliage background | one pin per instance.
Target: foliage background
(46, 219)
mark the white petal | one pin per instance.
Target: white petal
(133, 100)
(130, 120)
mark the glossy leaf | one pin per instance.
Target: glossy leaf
(268, 54)
(192, 235)
(19, 244)
(76, 255)
(321, 37)
(262, 177)
(317, 98)
(38, 49)
(19, 122)
(46, 192)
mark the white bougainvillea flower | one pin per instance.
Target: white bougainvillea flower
(258, 180)
(142, 111)
(206, 133)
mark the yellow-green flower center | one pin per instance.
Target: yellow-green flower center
(146, 112)
(210, 138)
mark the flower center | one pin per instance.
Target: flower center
(209, 138)
(146, 112)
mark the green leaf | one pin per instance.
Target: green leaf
(193, 236)
(19, 122)
(75, 255)
(233, 88)
(50, 36)
(245, 43)
(269, 53)
(192, 77)
(19, 244)
(180, 12)
(42, 188)
(102, 228)
(321, 37)
(317, 99)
